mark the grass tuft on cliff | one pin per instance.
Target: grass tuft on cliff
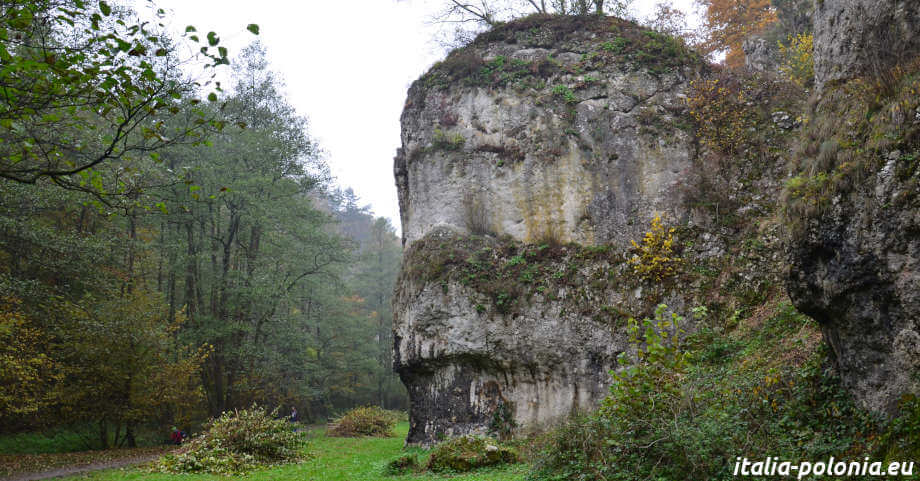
(854, 130)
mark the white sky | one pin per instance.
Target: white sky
(347, 65)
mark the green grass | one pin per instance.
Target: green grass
(63, 439)
(335, 459)
(67, 439)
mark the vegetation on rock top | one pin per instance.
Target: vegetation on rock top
(612, 41)
(854, 130)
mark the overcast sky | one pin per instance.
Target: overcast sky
(346, 65)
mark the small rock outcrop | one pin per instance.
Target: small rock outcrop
(760, 54)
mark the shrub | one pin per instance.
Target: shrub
(444, 141)
(364, 421)
(798, 62)
(657, 367)
(502, 423)
(402, 464)
(722, 110)
(655, 260)
(466, 453)
(566, 93)
(670, 417)
(618, 441)
(237, 442)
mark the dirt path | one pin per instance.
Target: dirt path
(80, 469)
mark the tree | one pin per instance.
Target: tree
(470, 17)
(729, 22)
(672, 21)
(222, 274)
(84, 85)
(27, 373)
(243, 238)
(124, 366)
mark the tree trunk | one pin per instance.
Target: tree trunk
(129, 436)
(103, 434)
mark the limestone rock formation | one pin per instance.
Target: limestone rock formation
(856, 270)
(529, 161)
(855, 253)
(572, 132)
(855, 37)
(760, 54)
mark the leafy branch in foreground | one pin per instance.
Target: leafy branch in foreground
(82, 85)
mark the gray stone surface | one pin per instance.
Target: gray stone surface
(760, 55)
(520, 160)
(853, 37)
(585, 143)
(855, 267)
(856, 270)
(533, 166)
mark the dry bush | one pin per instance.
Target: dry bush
(364, 421)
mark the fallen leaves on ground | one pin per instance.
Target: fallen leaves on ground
(32, 463)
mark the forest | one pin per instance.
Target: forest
(172, 249)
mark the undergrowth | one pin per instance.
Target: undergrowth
(854, 130)
(620, 42)
(466, 453)
(686, 410)
(505, 274)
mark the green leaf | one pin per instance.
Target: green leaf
(213, 39)
(212, 97)
(21, 19)
(190, 28)
(253, 28)
(105, 8)
(222, 51)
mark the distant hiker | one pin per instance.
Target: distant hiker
(293, 414)
(176, 436)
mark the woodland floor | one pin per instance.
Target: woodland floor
(333, 459)
(30, 467)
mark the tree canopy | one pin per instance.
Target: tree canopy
(199, 257)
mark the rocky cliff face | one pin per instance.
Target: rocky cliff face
(530, 160)
(855, 245)
(856, 270)
(856, 37)
(548, 131)
(545, 132)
